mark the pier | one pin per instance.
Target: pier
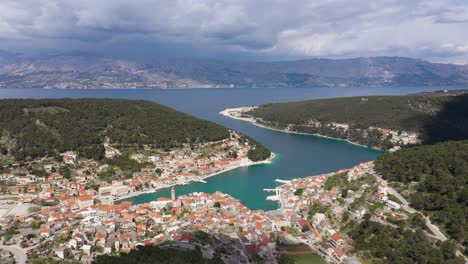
(275, 197)
(282, 181)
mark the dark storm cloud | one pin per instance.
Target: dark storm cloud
(269, 29)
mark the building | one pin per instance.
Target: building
(84, 201)
(393, 205)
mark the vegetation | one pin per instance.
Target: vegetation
(299, 191)
(385, 244)
(49, 260)
(309, 258)
(202, 236)
(153, 254)
(317, 208)
(340, 181)
(125, 163)
(257, 151)
(337, 180)
(439, 174)
(10, 233)
(83, 124)
(436, 116)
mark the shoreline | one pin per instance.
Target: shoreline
(200, 179)
(226, 112)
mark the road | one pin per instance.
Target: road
(435, 230)
(18, 252)
(405, 205)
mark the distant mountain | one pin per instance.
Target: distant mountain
(87, 71)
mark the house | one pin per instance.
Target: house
(326, 251)
(302, 226)
(109, 246)
(76, 241)
(379, 213)
(138, 157)
(382, 188)
(32, 189)
(45, 231)
(393, 205)
(84, 201)
(339, 256)
(15, 190)
(86, 249)
(118, 190)
(62, 252)
(69, 158)
(359, 213)
(336, 240)
(105, 190)
(111, 152)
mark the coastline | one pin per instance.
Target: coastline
(200, 178)
(226, 112)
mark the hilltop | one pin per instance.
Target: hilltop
(88, 71)
(375, 121)
(47, 127)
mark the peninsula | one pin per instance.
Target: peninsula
(383, 122)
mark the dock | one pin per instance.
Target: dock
(272, 198)
(282, 181)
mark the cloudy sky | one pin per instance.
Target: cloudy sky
(239, 29)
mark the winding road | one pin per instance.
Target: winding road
(405, 206)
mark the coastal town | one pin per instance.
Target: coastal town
(37, 193)
(125, 174)
(233, 132)
(65, 217)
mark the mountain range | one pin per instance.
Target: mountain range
(84, 71)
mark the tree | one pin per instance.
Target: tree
(344, 193)
(299, 191)
(439, 173)
(65, 172)
(158, 171)
(81, 125)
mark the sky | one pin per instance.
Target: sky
(238, 29)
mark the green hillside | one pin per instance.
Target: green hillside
(35, 128)
(435, 116)
(435, 180)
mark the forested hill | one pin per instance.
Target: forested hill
(433, 117)
(435, 180)
(34, 128)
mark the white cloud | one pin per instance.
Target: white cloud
(273, 28)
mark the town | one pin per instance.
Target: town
(68, 219)
(73, 184)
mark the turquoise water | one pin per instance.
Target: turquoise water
(297, 155)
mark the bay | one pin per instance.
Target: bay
(297, 155)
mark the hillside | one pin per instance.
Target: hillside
(375, 121)
(34, 128)
(202, 248)
(434, 178)
(88, 71)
